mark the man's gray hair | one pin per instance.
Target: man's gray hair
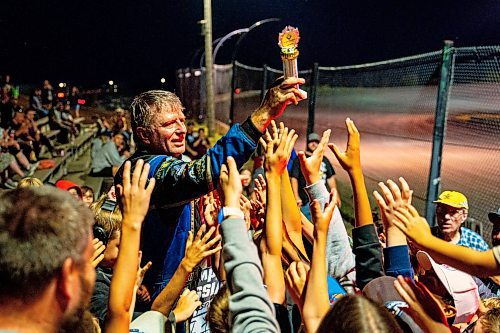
(145, 106)
(40, 227)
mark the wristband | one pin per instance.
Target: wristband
(232, 211)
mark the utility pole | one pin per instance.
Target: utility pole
(207, 31)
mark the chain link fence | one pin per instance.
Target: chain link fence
(393, 103)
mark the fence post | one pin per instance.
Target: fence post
(233, 87)
(312, 97)
(441, 114)
(263, 89)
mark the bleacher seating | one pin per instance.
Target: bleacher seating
(71, 151)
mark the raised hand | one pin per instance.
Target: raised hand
(296, 279)
(141, 271)
(392, 198)
(321, 219)
(260, 190)
(423, 307)
(412, 224)
(278, 146)
(350, 159)
(231, 183)
(135, 193)
(310, 165)
(200, 247)
(98, 253)
(186, 306)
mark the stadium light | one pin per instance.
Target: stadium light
(162, 80)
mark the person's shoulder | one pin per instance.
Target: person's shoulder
(473, 239)
(464, 231)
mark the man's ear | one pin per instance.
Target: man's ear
(67, 284)
(143, 135)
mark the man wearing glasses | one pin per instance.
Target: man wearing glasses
(451, 212)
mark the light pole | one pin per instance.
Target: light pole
(207, 29)
(233, 61)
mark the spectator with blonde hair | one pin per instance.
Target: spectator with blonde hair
(29, 182)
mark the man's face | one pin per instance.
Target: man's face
(167, 135)
(312, 145)
(449, 218)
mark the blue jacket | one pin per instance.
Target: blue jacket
(172, 214)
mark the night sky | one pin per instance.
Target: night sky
(137, 42)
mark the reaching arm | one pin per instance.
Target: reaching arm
(251, 309)
(278, 149)
(135, 196)
(467, 260)
(316, 303)
(366, 247)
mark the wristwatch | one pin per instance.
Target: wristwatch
(232, 211)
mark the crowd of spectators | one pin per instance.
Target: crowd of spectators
(191, 246)
(22, 142)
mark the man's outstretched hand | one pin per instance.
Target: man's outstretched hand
(281, 94)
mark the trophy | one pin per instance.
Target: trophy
(288, 40)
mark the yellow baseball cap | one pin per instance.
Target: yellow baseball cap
(453, 199)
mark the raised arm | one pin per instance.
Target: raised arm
(278, 148)
(251, 309)
(467, 260)
(365, 241)
(316, 303)
(350, 161)
(134, 197)
(396, 254)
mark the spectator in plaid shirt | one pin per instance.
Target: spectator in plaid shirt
(451, 212)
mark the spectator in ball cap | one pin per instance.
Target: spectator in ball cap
(451, 212)
(71, 187)
(495, 233)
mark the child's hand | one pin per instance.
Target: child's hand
(98, 254)
(134, 195)
(321, 219)
(412, 224)
(296, 279)
(186, 306)
(310, 165)
(350, 160)
(260, 190)
(392, 198)
(278, 146)
(423, 307)
(200, 247)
